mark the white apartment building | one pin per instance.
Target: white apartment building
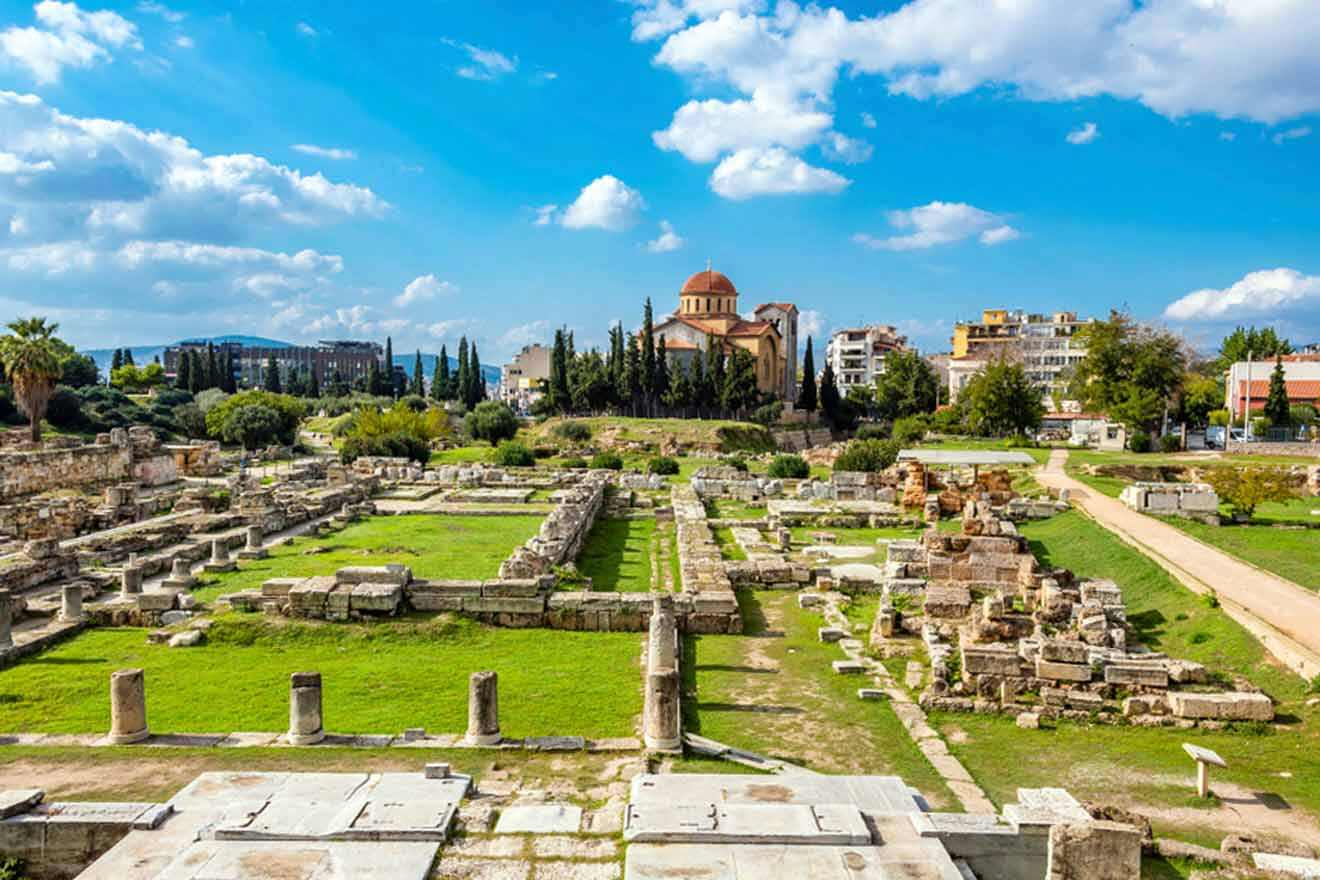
(522, 379)
(1045, 345)
(857, 354)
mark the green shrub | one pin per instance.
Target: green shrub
(738, 464)
(252, 426)
(64, 410)
(873, 431)
(576, 432)
(492, 422)
(768, 414)
(414, 402)
(1170, 443)
(789, 467)
(398, 432)
(544, 451)
(511, 454)
(867, 456)
(279, 424)
(12, 868)
(606, 461)
(1139, 442)
(396, 444)
(191, 420)
(910, 429)
(574, 463)
(1020, 441)
(663, 465)
(745, 438)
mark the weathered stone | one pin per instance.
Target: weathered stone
(1064, 651)
(1229, 706)
(187, 639)
(71, 603)
(1094, 851)
(661, 721)
(483, 709)
(1062, 671)
(983, 660)
(1137, 675)
(306, 726)
(128, 707)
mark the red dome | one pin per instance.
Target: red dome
(710, 282)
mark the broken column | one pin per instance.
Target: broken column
(305, 723)
(71, 597)
(6, 621)
(220, 561)
(663, 641)
(130, 581)
(128, 707)
(483, 709)
(661, 710)
(253, 548)
(181, 577)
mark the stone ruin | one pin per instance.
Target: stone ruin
(1196, 501)
(1006, 635)
(730, 482)
(562, 532)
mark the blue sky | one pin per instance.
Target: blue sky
(307, 170)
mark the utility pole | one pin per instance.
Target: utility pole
(1246, 402)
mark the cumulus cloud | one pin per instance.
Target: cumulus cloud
(449, 329)
(810, 323)
(655, 18)
(667, 241)
(756, 172)
(66, 36)
(524, 334)
(337, 154)
(1264, 292)
(1084, 135)
(545, 215)
(1292, 134)
(941, 223)
(423, 289)
(306, 30)
(702, 131)
(842, 148)
(868, 120)
(605, 203)
(151, 8)
(183, 41)
(487, 64)
(139, 253)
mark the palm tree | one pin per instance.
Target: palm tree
(31, 359)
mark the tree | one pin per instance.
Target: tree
(807, 396)
(715, 362)
(1127, 366)
(440, 378)
(461, 380)
(492, 422)
(476, 381)
(831, 406)
(271, 375)
(418, 384)
(78, 370)
(128, 357)
(392, 390)
(196, 372)
(313, 384)
(134, 379)
(373, 378)
(740, 393)
(679, 396)
(225, 362)
(1001, 400)
(1245, 488)
(648, 353)
(908, 386)
(252, 426)
(289, 410)
(560, 398)
(1276, 404)
(31, 359)
(116, 359)
(1257, 344)
(700, 394)
(183, 372)
(660, 387)
(1201, 396)
(212, 369)
(632, 371)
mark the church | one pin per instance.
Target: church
(708, 309)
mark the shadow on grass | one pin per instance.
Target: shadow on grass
(66, 661)
(745, 670)
(754, 621)
(1148, 624)
(757, 708)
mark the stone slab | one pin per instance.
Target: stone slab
(19, 800)
(1294, 865)
(917, 860)
(540, 819)
(870, 794)
(822, 824)
(246, 860)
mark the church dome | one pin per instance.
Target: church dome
(710, 281)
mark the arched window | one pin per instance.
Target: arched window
(708, 304)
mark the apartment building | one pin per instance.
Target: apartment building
(1045, 345)
(350, 358)
(523, 378)
(857, 354)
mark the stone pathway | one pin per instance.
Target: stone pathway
(912, 716)
(1282, 615)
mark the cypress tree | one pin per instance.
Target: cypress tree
(461, 380)
(196, 372)
(227, 381)
(389, 367)
(1276, 405)
(829, 395)
(272, 375)
(632, 370)
(714, 371)
(116, 359)
(476, 381)
(373, 377)
(313, 384)
(561, 399)
(660, 386)
(440, 377)
(183, 371)
(807, 396)
(128, 357)
(698, 395)
(212, 370)
(418, 385)
(648, 352)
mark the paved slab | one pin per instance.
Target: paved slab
(820, 824)
(919, 860)
(878, 794)
(540, 819)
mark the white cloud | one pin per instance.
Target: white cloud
(605, 203)
(667, 241)
(1084, 135)
(842, 148)
(337, 154)
(810, 323)
(151, 8)
(51, 260)
(655, 18)
(422, 289)
(1229, 136)
(449, 329)
(354, 319)
(306, 30)
(268, 284)
(1292, 134)
(1264, 292)
(140, 253)
(394, 325)
(545, 215)
(66, 36)
(184, 41)
(704, 130)
(755, 172)
(868, 120)
(165, 289)
(524, 334)
(487, 64)
(941, 223)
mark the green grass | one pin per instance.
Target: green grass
(617, 555)
(730, 549)
(461, 455)
(775, 693)
(435, 547)
(379, 678)
(725, 508)
(1293, 554)
(1143, 765)
(856, 537)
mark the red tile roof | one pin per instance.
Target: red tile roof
(709, 281)
(787, 307)
(1300, 390)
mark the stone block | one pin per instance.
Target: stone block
(278, 588)
(990, 661)
(376, 598)
(512, 588)
(483, 605)
(155, 601)
(1094, 851)
(1064, 651)
(1137, 675)
(375, 574)
(1227, 706)
(948, 601)
(1062, 671)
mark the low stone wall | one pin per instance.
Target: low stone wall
(728, 482)
(1188, 500)
(562, 532)
(1267, 449)
(39, 563)
(28, 473)
(806, 438)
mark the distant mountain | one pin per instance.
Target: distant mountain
(143, 354)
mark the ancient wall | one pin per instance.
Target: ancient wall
(1267, 449)
(27, 473)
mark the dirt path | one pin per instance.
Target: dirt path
(1282, 615)
(1240, 809)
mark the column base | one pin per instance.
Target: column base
(252, 554)
(484, 739)
(128, 739)
(663, 745)
(305, 739)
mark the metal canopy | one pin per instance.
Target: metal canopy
(965, 457)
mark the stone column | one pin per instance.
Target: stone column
(128, 707)
(6, 621)
(661, 710)
(254, 536)
(130, 581)
(180, 569)
(663, 647)
(483, 709)
(71, 596)
(305, 722)
(219, 550)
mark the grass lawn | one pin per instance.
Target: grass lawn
(773, 692)
(856, 537)
(461, 455)
(1292, 553)
(727, 508)
(1139, 765)
(617, 555)
(730, 549)
(435, 547)
(379, 678)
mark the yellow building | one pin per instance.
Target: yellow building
(708, 309)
